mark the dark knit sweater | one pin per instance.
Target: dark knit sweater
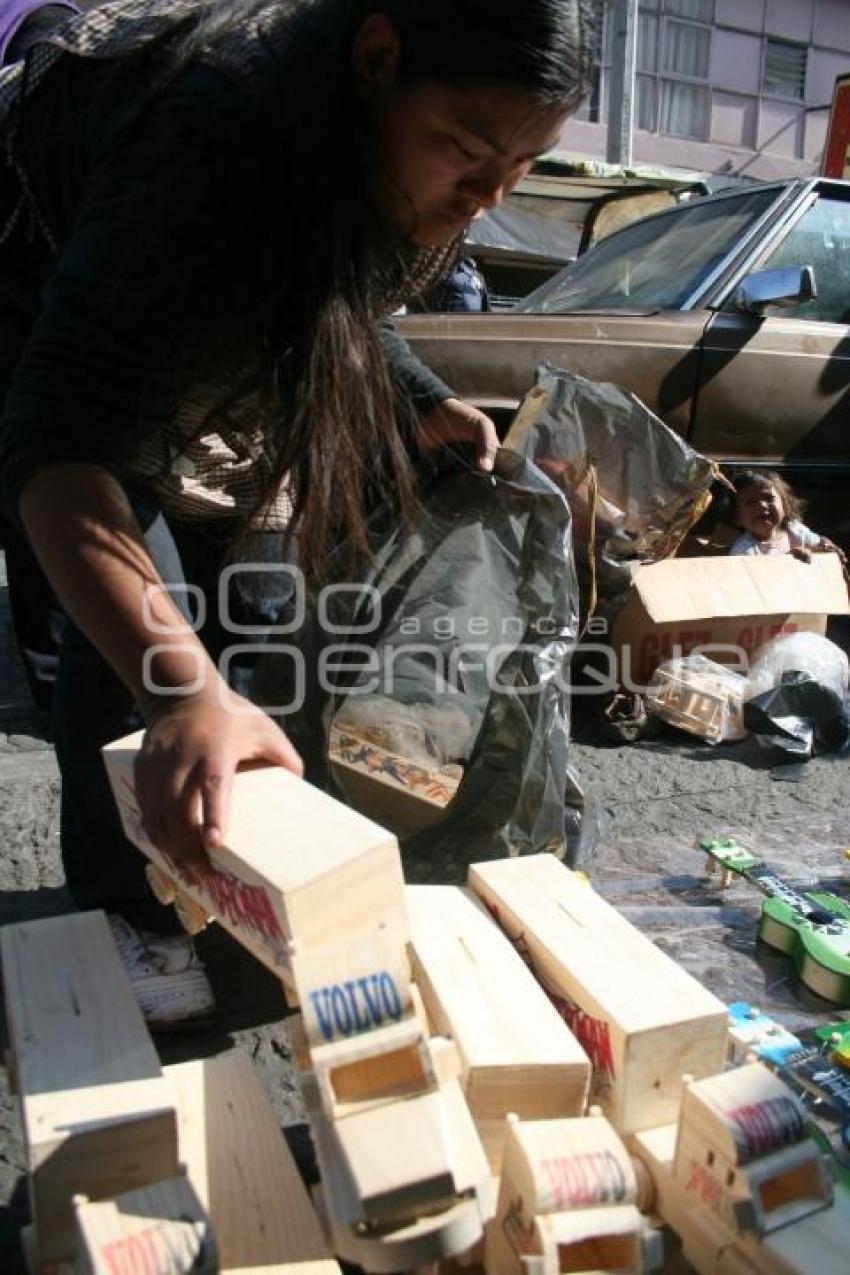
(74, 327)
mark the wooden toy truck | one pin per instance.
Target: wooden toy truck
(742, 1183)
(157, 1228)
(240, 1206)
(315, 891)
(696, 701)
(297, 867)
(396, 792)
(566, 1201)
(404, 1175)
(97, 1116)
(133, 1168)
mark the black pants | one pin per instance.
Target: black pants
(92, 706)
(36, 615)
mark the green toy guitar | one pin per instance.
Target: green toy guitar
(813, 929)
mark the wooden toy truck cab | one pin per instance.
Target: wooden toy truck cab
(315, 891)
(743, 1183)
(566, 1201)
(743, 1148)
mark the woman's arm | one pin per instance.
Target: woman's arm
(89, 389)
(88, 541)
(442, 419)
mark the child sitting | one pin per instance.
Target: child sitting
(766, 515)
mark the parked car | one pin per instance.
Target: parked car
(728, 315)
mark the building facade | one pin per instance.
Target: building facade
(737, 87)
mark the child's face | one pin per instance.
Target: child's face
(760, 510)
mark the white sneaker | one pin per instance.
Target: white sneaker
(167, 976)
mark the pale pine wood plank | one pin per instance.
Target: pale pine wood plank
(238, 1162)
(517, 1054)
(643, 1020)
(97, 1116)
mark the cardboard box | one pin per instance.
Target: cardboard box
(721, 606)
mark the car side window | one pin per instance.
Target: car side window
(821, 239)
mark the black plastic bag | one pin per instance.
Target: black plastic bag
(487, 573)
(800, 716)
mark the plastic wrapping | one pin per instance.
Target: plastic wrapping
(808, 653)
(635, 488)
(797, 696)
(432, 735)
(455, 649)
(700, 696)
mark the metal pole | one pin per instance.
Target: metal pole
(621, 94)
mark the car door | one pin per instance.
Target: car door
(491, 360)
(777, 388)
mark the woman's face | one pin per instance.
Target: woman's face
(445, 155)
(760, 510)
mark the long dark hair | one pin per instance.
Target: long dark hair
(303, 265)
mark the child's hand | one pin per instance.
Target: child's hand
(827, 546)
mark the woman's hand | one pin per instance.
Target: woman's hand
(86, 534)
(184, 772)
(453, 421)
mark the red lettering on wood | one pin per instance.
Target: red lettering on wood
(702, 1181)
(588, 1177)
(591, 1033)
(113, 1256)
(241, 905)
(144, 1254)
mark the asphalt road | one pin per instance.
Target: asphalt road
(650, 801)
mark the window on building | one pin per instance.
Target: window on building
(684, 110)
(685, 49)
(673, 57)
(591, 107)
(646, 116)
(784, 70)
(699, 10)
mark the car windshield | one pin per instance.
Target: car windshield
(654, 264)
